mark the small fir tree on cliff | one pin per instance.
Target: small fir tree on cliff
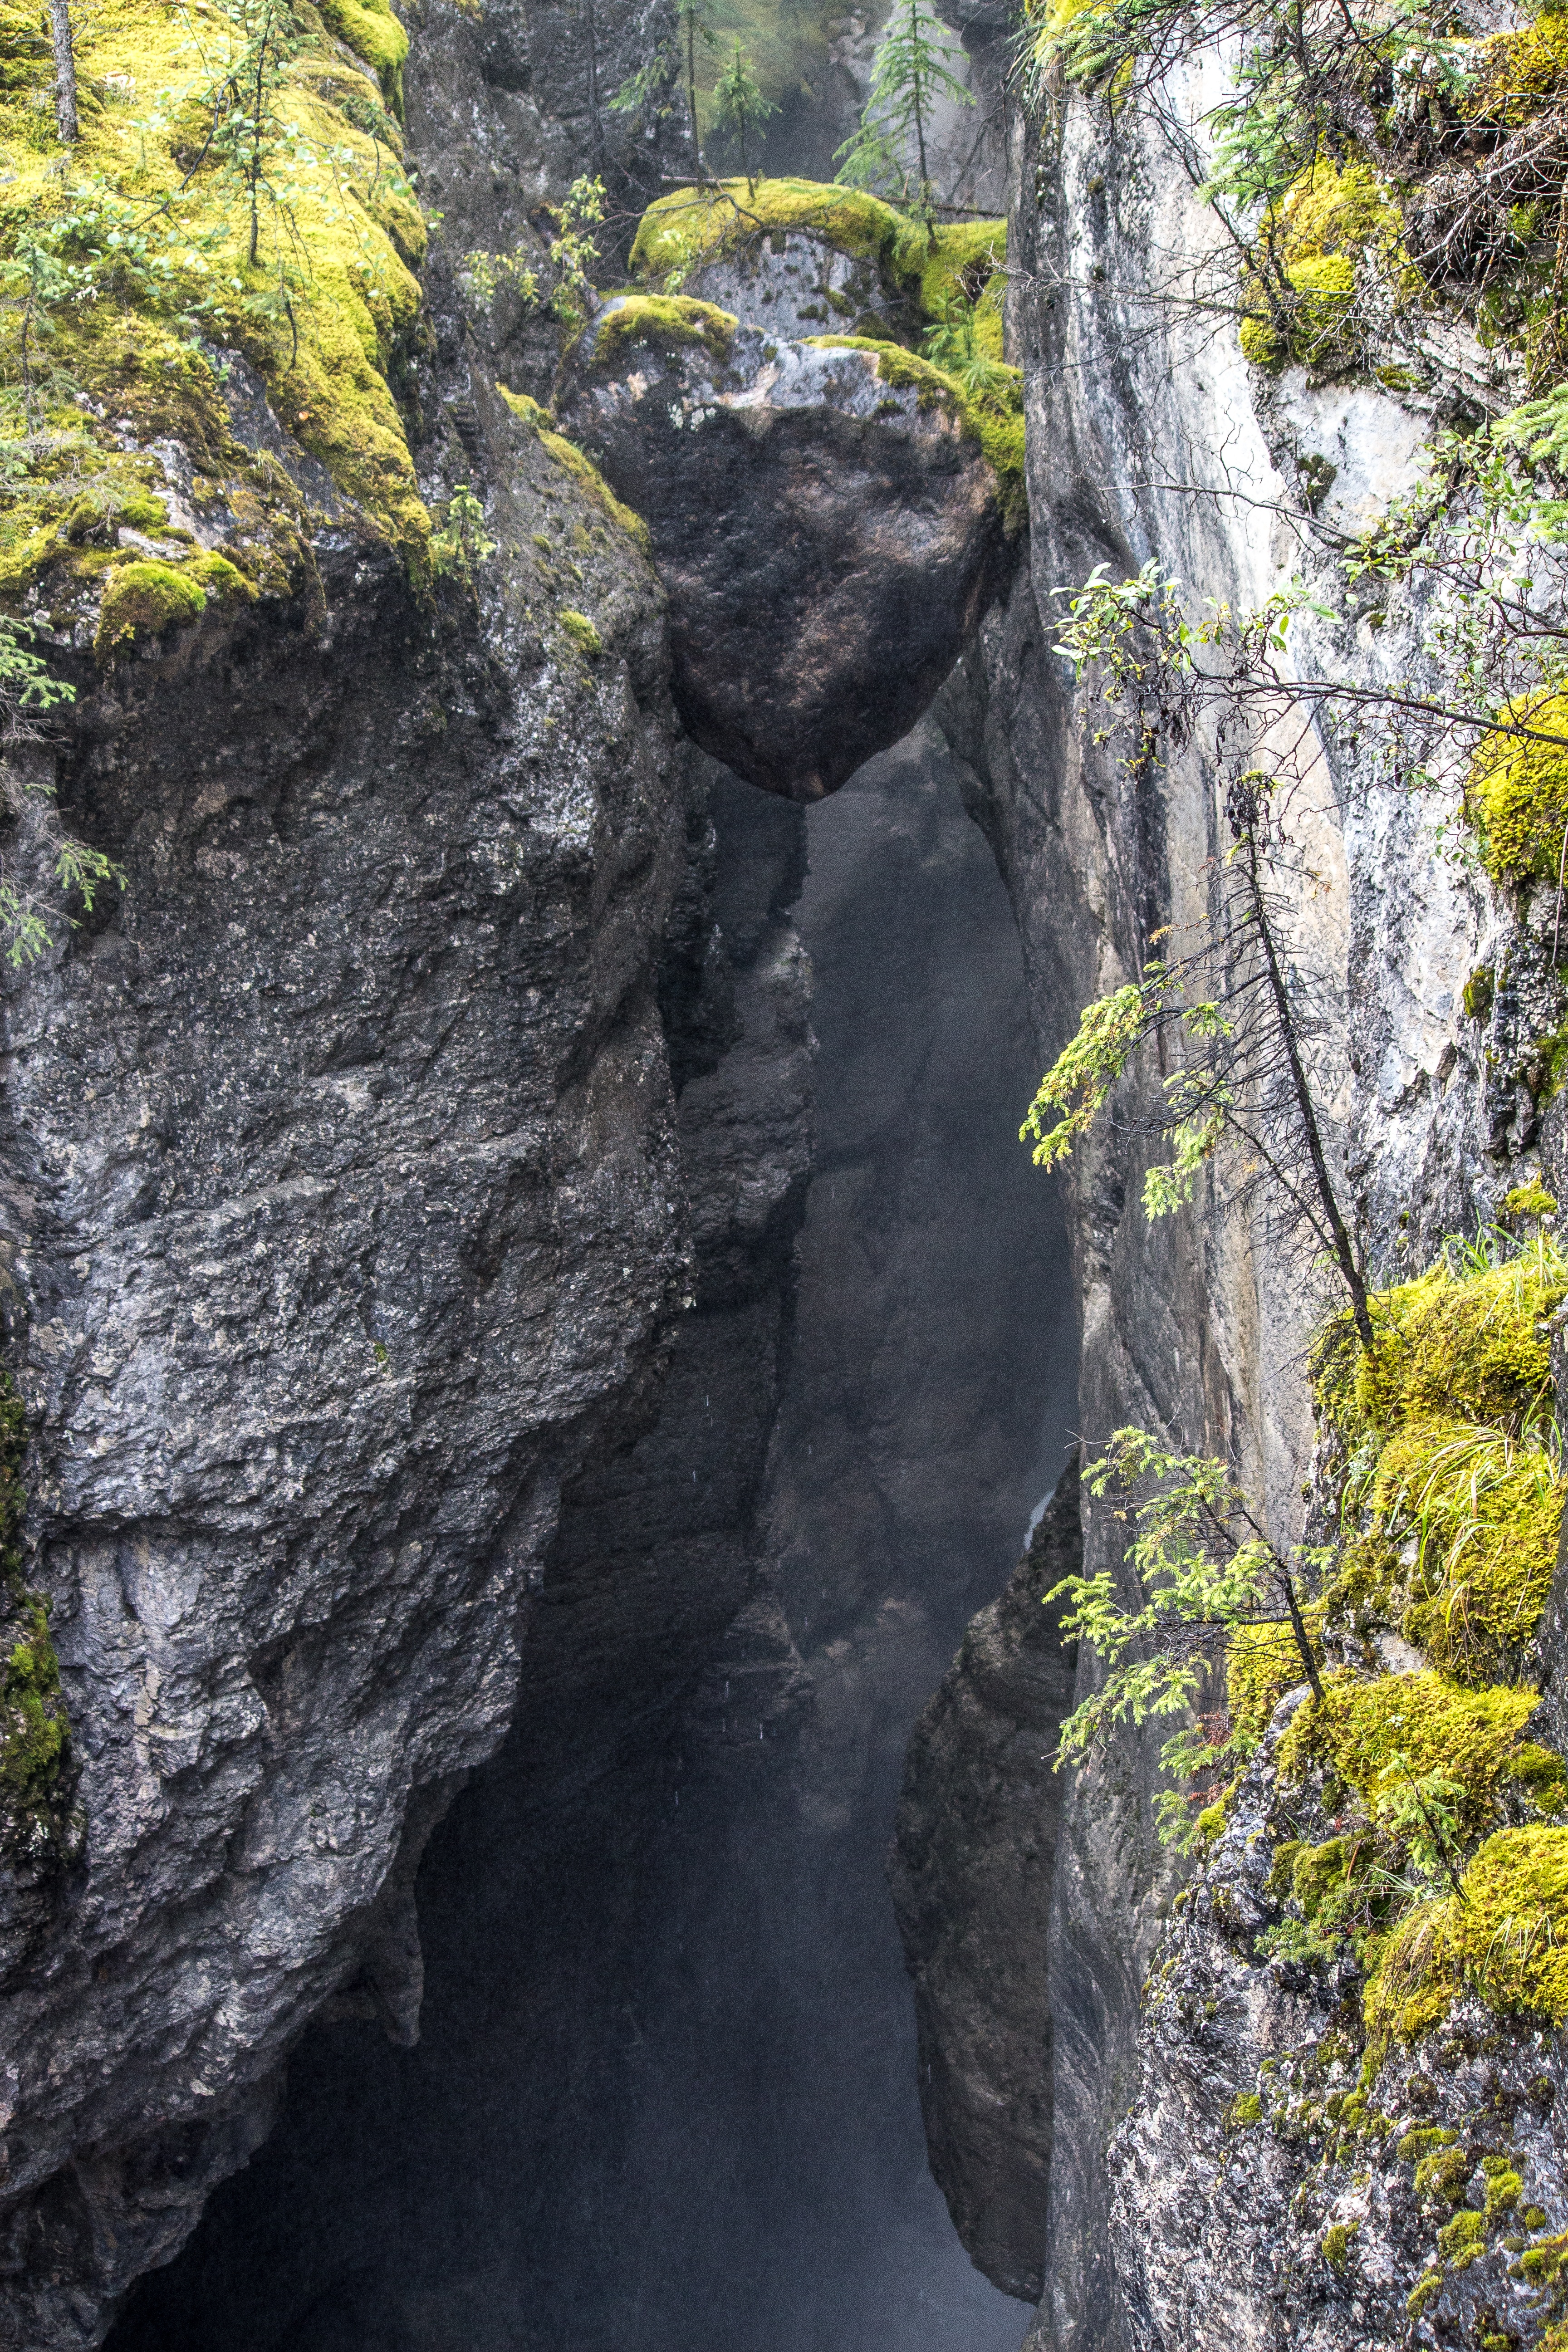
(1208, 1568)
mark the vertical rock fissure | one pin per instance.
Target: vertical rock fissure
(665, 2089)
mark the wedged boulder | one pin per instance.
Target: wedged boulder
(829, 520)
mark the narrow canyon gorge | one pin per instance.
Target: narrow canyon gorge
(660, 1687)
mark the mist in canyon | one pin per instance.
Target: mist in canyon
(665, 2090)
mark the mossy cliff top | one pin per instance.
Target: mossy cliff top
(126, 259)
(934, 267)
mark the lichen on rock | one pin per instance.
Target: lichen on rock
(40, 1828)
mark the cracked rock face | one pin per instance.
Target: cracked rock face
(339, 1200)
(827, 543)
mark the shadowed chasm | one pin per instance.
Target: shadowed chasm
(664, 2099)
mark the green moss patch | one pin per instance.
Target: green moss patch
(1461, 1342)
(143, 600)
(371, 30)
(1517, 74)
(696, 225)
(1517, 794)
(665, 321)
(589, 479)
(583, 633)
(1333, 226)
(1375, 1737)
(1453, 1493)
(1262, 1663)
(132, 265)
(526, 411)
(964, 264)
(1506, 1941)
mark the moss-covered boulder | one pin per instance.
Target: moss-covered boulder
(830, 519)
(800, 257)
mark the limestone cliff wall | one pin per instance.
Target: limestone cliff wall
(1149, 436)
(346, 1219)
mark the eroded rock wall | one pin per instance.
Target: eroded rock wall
(344, 1217)
(1150, 438)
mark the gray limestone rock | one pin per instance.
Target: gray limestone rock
(341, 1198)
(1276, 2184)
(971, 1871)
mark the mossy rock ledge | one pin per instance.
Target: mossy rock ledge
(828, 519)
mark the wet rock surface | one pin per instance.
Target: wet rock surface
(664, 2088)
(341, 1200)
(343, 1215)
(828, 540)
(1200, 1331)
(971, 1871)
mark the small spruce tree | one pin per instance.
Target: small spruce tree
(738, 105)
(890, 151)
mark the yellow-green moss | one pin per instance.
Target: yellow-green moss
(128, 338)
(1516, 74)
(1336, 2246)
(1429, 2285)
(1505, 2187)
(931, 266)
(1262, 1663)
(1517, 794)
(583, 633)
(588, 479)
(217, 577)
(1507, 1941)
(1331, 225)
(581, 467)
(1374, 1735)
(1532, 1200)
(370, 28)
(957, 258)
(695, 224)
(1453, 1494)
(1466, 1344)
(142, 600)
(999, 433)
(526, 411)
(666, 320)
(1463, 2238)
(1245, 2109)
